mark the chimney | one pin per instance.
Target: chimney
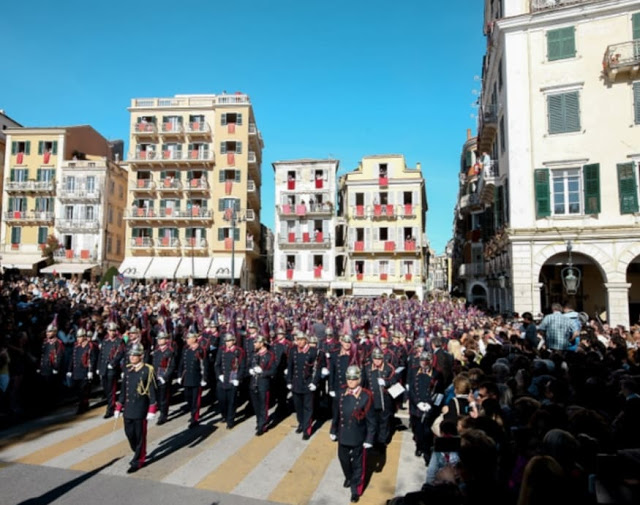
(418, 166)
(468, 133)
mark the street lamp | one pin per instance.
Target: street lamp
(570, 275)
(232, 217)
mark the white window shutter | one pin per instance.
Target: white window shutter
(352, 267)
(325, 228)
(352, 236)
(283, 262)
(367, 267)
(392, 268)
(309, 262)
(414, 198)
(367, 239)
(416, 236)
(376, 234)
(367, 198)
(376, 267)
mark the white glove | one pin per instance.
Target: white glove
(117, 414)
(69, 374)
(109, 367)
(257, 369)
(324, 371)
(38, 371)
(367, 445)
(221, 378)
(150, 416)
(212, 347)
(98, 373)
(381, 381)
(121, 375)
(327, 355)
(89, 375)
(203, 384)
(333, 437)
(332, 394)
(251, 371)
(422, 406)
(312, 387)
(179, 380)
(235, 382)
(55, 372)
(161, 380)
(289, 386)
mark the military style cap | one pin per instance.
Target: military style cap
(161, 336)
(353, 372)
(280, 331)
(134, 329)
(191, 334)
(81, 333)
(377, 353)
(313, 339)
(384, 340)
(261, 339)
(345, 338)
(252, 325)
(419, 342)
(228, 337)
(52, 327)
(302, 334)
(112, 326)
(328, 331)
(136, 350)
(425, 356)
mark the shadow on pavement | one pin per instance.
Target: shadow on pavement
(190, 437)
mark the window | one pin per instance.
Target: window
(500, 76)
(561, 43)
(47, 147)
(112, 186)
(563, 111)
(317, 260)
(627, 188)
(70, 183)
(111, 215)
(291, 262)
(636, 101)
(118, 246)
(120, 190)
(228, 203)
(21, 147)
(16, 235)
(383, 170)
(567, 192)
(44, 204)
(19, 175)
(226, 233)
(502, 139)
(109, 244)
(384, 234)
(231, 118)
(229, 175)
(17, 204)
(44, 175)
(231, 146)
(68, 212)
(43, 233)
(89, 213)
(91, 183)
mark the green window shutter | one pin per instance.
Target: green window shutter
(572, 111)
(190, 147)
(468, 159)
(39, 175)
(42, 235)
(221, 204)
(11, 205)
(14, 148)
(163, 176)
(12, 175)
(223, 119)
(27, 147)
(238, 147)
(636, 102)
(37, 204)
(15, 235)
(221, 176)
(223, 147)
(591, 188)
(40, 147)
(555, 113)
(54, 148)
(627, 188)
(237, 175)
(563, 112)
(239, 118)
(543, 197)
(236, 234)
(635, 23)
(220, 234)
(163, 204)
(561, 43)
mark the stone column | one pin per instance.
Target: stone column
(618, 303)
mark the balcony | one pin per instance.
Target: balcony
(469, 201)
(141, 243)
(145, 130)
(144, 186)
(304, 241)
(543, 5)
(487, 179)
(252, 245)
(255, 133)
(79, 194)
(198, 129)
(488, 127)
(169, 214)
(77, 225)
(171, 129)
(23, 217)
(195, 243)
(252, 192)
(30, 186)
(471, 270)
(200, 185)
(169, 185)
(384, 212)
(250, 215)
(167, 243)
(251, 157)
(69, 255)
(622, 60)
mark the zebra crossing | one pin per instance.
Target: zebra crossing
(277, 467)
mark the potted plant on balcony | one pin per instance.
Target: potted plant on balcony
(51, 246)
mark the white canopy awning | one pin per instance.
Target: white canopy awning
(197, 268)
(68, 268)
(163, 267)
(361, 291)
(135, 267)
(221, 268)
(20, 261)
(341, 285)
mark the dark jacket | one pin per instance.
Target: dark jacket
(138, 392)
(302, 369)
(231, 364)
(193, 366)
(51, 358)
(353, 420)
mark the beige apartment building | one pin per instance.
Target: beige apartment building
(5, 122)
(193, 209)
(384, 206)
(61, 181)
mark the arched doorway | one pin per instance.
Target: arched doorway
(592, 294)
(633, 278)
(478, 296)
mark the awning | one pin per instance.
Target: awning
(341, 285)
(221, 268)
(198, 268)
(135, 267)
(20, 261)
(163, 267)
(371, 291)
(68, 268)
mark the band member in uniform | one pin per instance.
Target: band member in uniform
(353, 427)
(192, 374)
(341, 360)
(138, 400)
(302, 380)
(230, 367)
(111, 348)
(261, 370)
(82, 367)
(50, 363)
(281, 347)
(378, 377)
(164, 363)
(420, 404)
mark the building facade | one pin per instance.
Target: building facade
(5, 122)
(384, 206)
(305, 225)
(38, 204)
(193, 207)
(559, 130)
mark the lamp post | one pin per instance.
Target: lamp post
(570, 276)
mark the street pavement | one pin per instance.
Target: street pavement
(68, 459)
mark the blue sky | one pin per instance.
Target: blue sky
(344, 79)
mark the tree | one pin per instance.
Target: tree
(51, 246)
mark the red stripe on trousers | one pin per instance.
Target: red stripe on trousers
(143, 451)
(196, 416)
(364, 471)
(113, 392)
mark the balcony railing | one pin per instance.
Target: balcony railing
(141, 242)
(79, 194)
(30, 185)
(78, 225)
(195, 243)
(304, 240)
(69, 255)
(197, 127)
(194, 101)
(621, 58)
(251, 157)
(168, 214)
(542, 5)
(468, 270)
(200, 155)
(144, 185)
(145, 129)
(200, 184)
(170, 184)
(23, 216)
(167, 242)
(172, 128)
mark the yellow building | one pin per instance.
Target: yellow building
(194, 189)
(36, 205)
(5, 122)
(384, 204)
